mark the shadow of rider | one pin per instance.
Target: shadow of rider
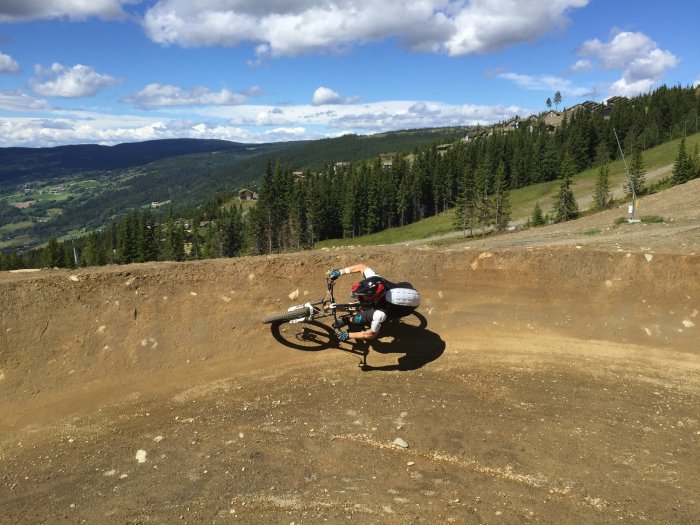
(418, 345)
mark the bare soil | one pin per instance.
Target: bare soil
(557, 381)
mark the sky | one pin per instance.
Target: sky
(255, 71)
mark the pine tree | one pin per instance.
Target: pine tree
(536, 217)
(127, 245)
(682, 167)
(482, 193)
(232, 233)
(557, 99)
(566, 207)
(637, 172)
(602, 197)
(501, 204)
(465, 208)
(147, 238)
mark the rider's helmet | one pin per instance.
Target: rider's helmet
(369, 290)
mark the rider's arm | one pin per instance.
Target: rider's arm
(365, 334)
(355, 268)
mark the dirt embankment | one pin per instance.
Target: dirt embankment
(557, 380)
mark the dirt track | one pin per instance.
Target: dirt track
(557, 381)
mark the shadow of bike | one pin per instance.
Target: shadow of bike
(307, 336)
(407, 336)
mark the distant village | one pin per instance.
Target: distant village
(552, 120)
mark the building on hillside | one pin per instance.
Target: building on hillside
(442, 149)
(610, 104)
(386, 160)
(247, 195)
(340, 166)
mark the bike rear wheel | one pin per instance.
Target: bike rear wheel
(298, 313)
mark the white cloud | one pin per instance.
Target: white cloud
(697, 82)
(8, 64)
(324, 95)
(642, 63)
(74, 82)
(163, 95)
(20, 101)
(294, 27)
(581, 65)
(23, 10)
(548, 83)
(244, 123)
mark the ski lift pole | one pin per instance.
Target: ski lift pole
(75, 252)
(629, 178)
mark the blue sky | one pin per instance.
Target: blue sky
(111, 71)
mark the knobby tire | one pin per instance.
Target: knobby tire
(299, 313)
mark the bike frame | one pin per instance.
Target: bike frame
(325, 307)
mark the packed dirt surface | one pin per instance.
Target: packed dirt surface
(557, 381)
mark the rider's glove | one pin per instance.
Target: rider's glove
(342, 336)
(334, 274)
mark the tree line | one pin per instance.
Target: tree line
(296, 209)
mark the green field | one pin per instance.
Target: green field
(523, 200)
(14, 226)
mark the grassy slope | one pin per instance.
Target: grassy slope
(523, 199)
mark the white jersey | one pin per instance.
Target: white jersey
(396, 295)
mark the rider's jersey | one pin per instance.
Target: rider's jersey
(400, 299)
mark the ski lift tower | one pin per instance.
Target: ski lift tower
(633, 206)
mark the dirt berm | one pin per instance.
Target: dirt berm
(557, 381)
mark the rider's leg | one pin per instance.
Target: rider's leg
(340, 323)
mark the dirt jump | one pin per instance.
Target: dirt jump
(554, 378)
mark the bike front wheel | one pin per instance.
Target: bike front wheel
(292, 315)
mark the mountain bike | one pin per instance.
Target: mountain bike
(300, 326)
(313, 310)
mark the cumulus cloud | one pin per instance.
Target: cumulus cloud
(20, 101)
(8, 64)
(324, 95)
(163, 95)
(245, 123)
(24, 10)
(642, 62)
(367, 118)
(581, 65)
(547, 83)
(69, 82)
(294, 27)
(80, 127)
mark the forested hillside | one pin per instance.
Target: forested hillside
(184, 174)
(471, 177)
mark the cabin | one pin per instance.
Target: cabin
(247, 195)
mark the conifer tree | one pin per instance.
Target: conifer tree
(682, 167)
(536, 217)
(465, 208)
(482, 192)
(637, 172)
(147, 237)
(501, 203)
(231, 232)
(601, 196)
(566, 207)
(127, 246)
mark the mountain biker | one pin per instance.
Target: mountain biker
(381, 300)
